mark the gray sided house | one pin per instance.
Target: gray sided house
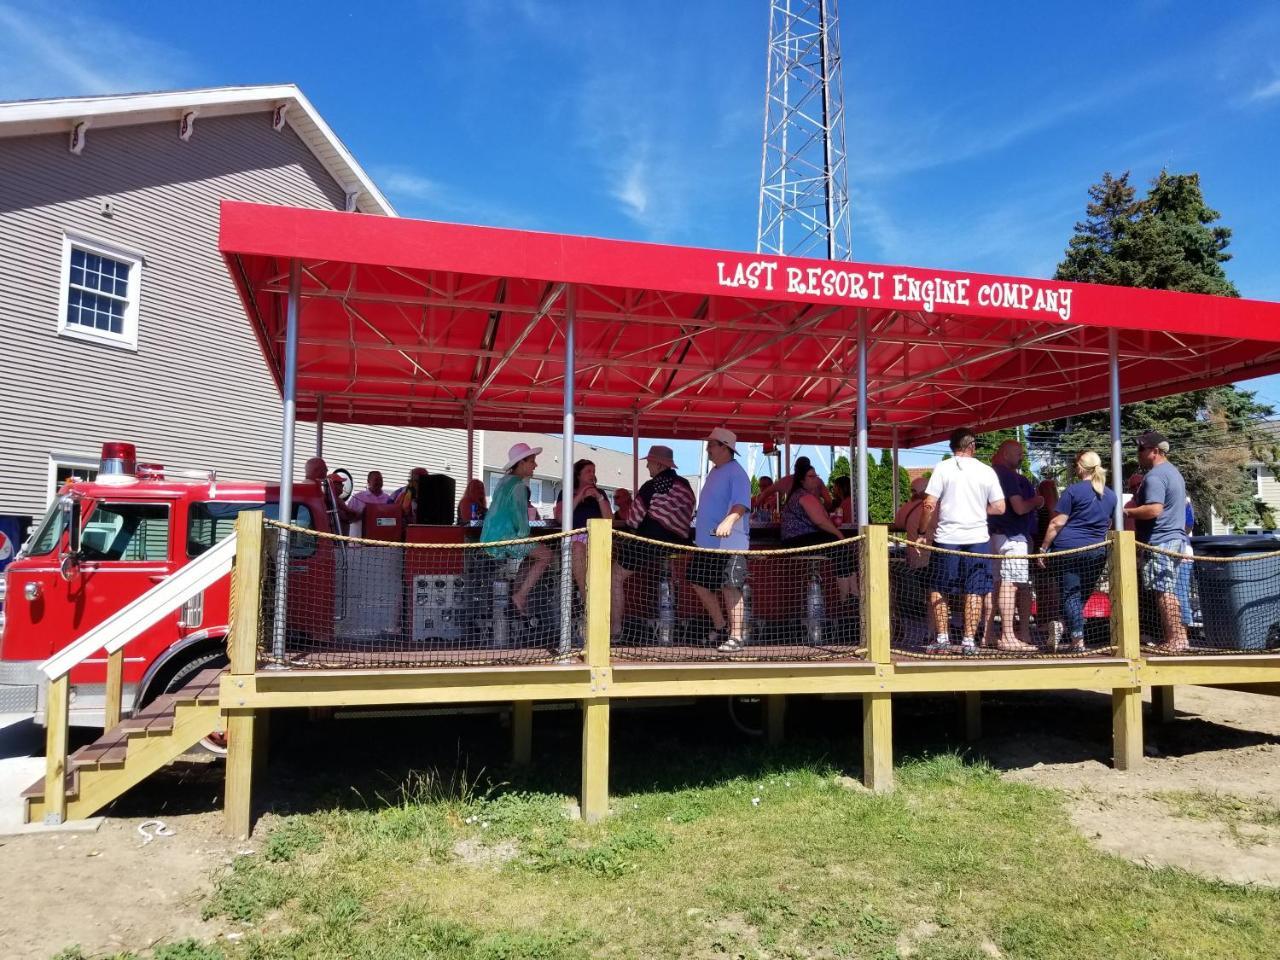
(118, 320)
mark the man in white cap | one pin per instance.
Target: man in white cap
(726, 499)
(661, 510)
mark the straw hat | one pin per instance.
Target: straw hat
(727, 437)
(661, 454)
(518, 453)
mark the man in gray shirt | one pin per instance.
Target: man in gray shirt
(1158, 510)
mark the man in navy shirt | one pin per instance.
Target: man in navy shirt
(1009, 543)
(1159, 511)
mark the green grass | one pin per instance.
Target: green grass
(954, 862)
(748, 853)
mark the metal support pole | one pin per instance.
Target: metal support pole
(635, 453)
(863, 506)
(290, 414)
(320, 426)
(788, 465)
(897, 494)
(1117, 457)
(566, 471)
(471, 443)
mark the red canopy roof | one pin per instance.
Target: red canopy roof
(409, 322)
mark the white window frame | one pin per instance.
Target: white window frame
(1257, 469)
(72, 461)
(127, 339)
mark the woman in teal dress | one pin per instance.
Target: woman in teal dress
(508, 519)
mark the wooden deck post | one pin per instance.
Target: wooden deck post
(775, 716)
(522, 732)
(115, 689)
(56, 706)
(595, 709)
(971, 707)
(1162, 708)
(1126, 702)
(877, 707)
(242, 648)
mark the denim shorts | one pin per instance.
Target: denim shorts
(968, 571)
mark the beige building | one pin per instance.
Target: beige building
(613, 469)
(120, 321)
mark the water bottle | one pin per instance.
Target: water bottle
(815, 611)
(501, 635)
(475, 515)
(666, 610)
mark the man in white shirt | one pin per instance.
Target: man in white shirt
(373, 493)
(961, 494)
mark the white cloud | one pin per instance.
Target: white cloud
(48, 52)
(421, 196)
(1268, 91)
(633, 190)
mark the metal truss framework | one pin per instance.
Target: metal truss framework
(435, 348)
(804, 192)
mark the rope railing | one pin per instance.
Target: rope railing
(675, 602)
(362, 602)
(356, 602)
(1208, 605)
(946, 602)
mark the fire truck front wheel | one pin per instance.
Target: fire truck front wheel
(215, 743)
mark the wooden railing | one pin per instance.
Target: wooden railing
(112, 635)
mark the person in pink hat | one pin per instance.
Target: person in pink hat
(508, 519)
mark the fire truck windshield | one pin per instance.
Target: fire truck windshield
(47, 536)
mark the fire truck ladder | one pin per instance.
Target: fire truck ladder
(135, 748)
(160, 732)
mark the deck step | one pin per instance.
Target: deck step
(136, 747)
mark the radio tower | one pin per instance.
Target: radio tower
(804, 189)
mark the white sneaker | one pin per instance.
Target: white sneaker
(968, 647)
(939, 645)
(732, 645)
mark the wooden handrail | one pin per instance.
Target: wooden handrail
(133, 618)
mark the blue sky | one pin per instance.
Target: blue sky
(973, 130)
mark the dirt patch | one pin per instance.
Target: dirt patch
(1223, 749)
(108, 891)
(477, 853)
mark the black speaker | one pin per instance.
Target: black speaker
(435, 499)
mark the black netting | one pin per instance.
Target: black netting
(678, 603)
(979, 604)
(352, 603)
(1208, 604)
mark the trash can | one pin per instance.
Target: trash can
(1239, 602)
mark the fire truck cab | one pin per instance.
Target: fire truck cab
(105, 542)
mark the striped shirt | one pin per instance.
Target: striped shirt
(663, 509)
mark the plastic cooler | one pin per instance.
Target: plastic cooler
(1239, 602)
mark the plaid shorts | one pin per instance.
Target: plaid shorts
(1159, 570)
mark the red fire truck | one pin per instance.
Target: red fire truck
(134, 525)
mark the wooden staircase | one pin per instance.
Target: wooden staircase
(135, 748)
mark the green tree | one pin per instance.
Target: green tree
(840, 468)
(1168, 240)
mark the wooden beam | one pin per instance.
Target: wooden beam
(1126, 727)
(115, 689)
(971, 708)
(877, 706)
(56, 705)
(246, 593)
(522, 732)
(1162, 708)
(1126, 702)
(877, 742)
(595, 709)
(775, 714)
(595, 759)
(241, 737)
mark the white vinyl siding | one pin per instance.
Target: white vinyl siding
(197, 391)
